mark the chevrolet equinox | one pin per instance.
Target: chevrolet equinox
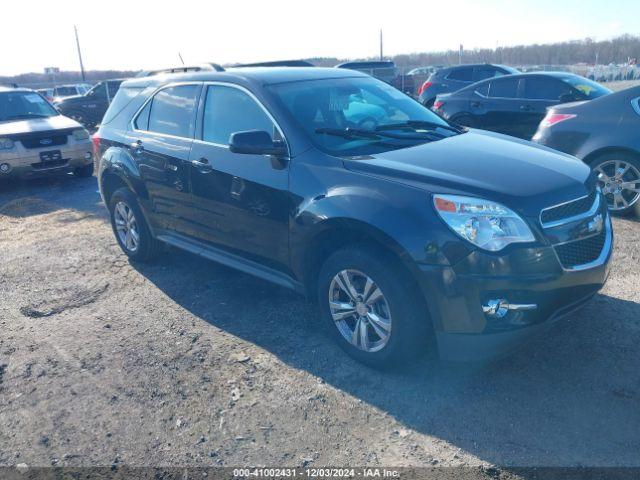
(410, 232)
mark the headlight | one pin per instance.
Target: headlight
(81, 134)
(487, 224)
(6, 144)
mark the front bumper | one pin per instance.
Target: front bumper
(455, 296)
(27, 163)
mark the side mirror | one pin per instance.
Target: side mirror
(256, 142)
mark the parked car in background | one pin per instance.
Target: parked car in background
(605, 134)
(452, 79)
(55, 94)
(47, 93)
(408, 232)
(89, 108)
(385, 71)
(515, 104)
(428, 70)
(36, 140)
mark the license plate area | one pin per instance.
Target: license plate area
(51, 156)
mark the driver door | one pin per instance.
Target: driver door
(240, 202)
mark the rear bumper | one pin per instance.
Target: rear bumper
(456, 295)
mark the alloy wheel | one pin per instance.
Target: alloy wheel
(126, 226)
(360, 310)
(620, 183)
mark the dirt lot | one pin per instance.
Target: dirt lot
(184, 362)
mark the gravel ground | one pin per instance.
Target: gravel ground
(187, 363)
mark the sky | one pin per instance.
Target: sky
(142, 34)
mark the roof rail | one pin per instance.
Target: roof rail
(204, 67)
(279, 63)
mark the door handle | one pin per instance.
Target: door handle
(526, 108)
(475, 104)
(202, 164)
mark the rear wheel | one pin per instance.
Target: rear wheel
(130, 227)
(372, 308)
(619, 179)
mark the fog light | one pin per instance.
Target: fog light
(87, 156)
(5, 168)
(498, 308)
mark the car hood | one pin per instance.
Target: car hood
(518, 173)
(58, 122)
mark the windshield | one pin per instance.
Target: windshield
(24, 105)
(66, 91)
(585, 86)
(359, 116)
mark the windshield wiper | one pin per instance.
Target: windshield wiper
(350, 132)
(419, 124)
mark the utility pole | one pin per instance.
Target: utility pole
(75, 29)
(381, 56)
(460, 54)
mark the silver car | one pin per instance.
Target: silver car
(35, 139)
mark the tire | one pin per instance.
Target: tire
(84, 172)
(400, 308)
(121, 203)
(610, 165)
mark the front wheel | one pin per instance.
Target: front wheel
(372, 308)
(619, 179)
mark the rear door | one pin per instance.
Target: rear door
(160, 143)
(241, 202)
(538, 93)
(500, 111)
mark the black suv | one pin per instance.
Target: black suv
(88, 109)
(407, 230)
(452, 79)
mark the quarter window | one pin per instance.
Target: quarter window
(171, 112)
(228, 110)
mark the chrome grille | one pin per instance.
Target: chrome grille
(567, 210)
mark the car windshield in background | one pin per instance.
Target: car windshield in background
(585, 86)
(24, 105)
(359, 116)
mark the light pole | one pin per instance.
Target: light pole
(79, 52)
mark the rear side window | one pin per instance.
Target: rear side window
(65, 91)
(171, 112)
(121, 100)
(461, 74)
(228, 110)
(504, 88)
(543, 88)
(482, 73)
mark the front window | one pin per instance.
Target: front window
(228, 110)
(359, 116)
(24, 106)
(586, 87)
